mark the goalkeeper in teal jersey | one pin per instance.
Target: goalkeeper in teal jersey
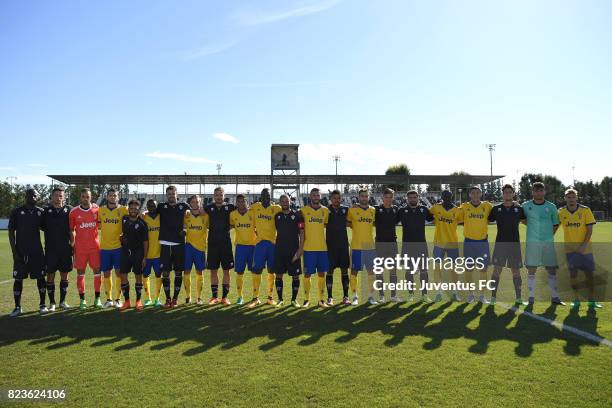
(542, 222)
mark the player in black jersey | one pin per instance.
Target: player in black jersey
(336, 237)
(172, 242)
(288, 249)
(413, 218)
(134, 247)
(58, 251)
(385, 220)
(24, 228)
(507, 249)
(219, 245)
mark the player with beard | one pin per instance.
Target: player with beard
(58, 251)
(337, 247)
(172, 242)
(24, 228)
(385, 220)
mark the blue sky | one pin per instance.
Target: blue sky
(168, 87)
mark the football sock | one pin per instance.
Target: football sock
(178, 281)
(17, 288)
(531, 285)
(353, 283)
(166, 283)
(518, 282)
(306, 287)
(381, 278)
(256, 284)
(295, 287)
(410, 278)
(371, 279)
(199, 285)
(138, 287)
(63, 290)
(125, 288)
(117, 285)
(279, 287)
(495, 278)
(321, 286)
(81, 286)
(552, 283)
(158, 286)
(108, 287)
(97, 284)
(215, 290)
(41, 284)
(146, 286)
(271, 278)
(424, 276)
(187, 283)
(239, 283)
(345, 283)
(51, 292)
(329, 283)
(393, 279)
(225, 287)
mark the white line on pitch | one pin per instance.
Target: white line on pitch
(6, 281)
(561, 326)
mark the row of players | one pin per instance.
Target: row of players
(177, 236)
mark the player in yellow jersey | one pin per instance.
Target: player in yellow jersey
(196, 229)
(361, 221)
(263, 254)
(152, 262)
(110, 217)
(446, 217)
(577, 222)
(476, 238)
(243, 222)
(315, 218)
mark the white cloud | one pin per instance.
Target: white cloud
(207, 50)
(257, 17)
(7, 168)
(37, 165)
(179, 157)
(226, 137)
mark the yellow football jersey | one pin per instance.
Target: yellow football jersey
(110, 225)
(314, 227)
(362, 224)
(575, 226)
(153, 226)
(245, 227)
(476, 220)
(445, 235)
(196, 227)
(265, 228)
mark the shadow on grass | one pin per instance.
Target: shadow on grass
(230, 327)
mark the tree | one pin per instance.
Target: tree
(401, 169)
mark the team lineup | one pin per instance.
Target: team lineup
(179, 237)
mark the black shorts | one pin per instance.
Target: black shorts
(172, 258)
(283, 262)
(32, 266)
(386, 249)
(507, 254)
(58, 260)
(131, 261)
(417, 251)
(338, 258)
(220, 254)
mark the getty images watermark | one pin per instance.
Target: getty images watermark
(412, 265)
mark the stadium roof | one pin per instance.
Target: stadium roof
(225, 179)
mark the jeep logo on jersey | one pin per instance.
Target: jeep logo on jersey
(88, 225)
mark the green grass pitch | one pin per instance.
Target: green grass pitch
(394, 355)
